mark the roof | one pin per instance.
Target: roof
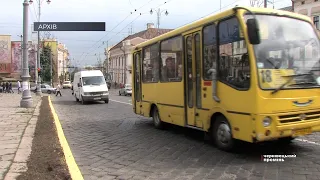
(86, 73)
(146, 34)
(288, 8)
(214, 17)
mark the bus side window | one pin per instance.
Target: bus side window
(234, 66)
(210, 50)
(171, 60)
(150, 64)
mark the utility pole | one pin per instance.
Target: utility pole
(64, 74)
(265, 3)
(159, 12)
(51, 73)
(21, 47)
(26, 100)
(37, 64)
(107, 58)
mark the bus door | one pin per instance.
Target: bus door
(192, 77)
(137, 82)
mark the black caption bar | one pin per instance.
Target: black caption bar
(69, 26)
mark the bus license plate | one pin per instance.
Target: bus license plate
(301, 132)
(97, 98)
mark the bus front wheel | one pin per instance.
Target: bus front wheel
(156, 118)
(222, 134)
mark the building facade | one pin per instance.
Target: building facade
(59, 56)
(309, 8)
(120, 56)
(63, 61)
(11, 58)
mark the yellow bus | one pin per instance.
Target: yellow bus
(249, 74)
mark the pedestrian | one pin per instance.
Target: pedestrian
(58, 90)
(10, 88)
(19, 86)
(7, 87)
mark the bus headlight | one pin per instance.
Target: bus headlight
(266, 121)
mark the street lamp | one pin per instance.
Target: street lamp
(159, 12)
(21, 49)
(26, 99)
(37, 64)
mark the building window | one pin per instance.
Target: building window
(171, 60)
(209, 50)
(234, 67)
(150, 64)
(316, 22)
(119, 62)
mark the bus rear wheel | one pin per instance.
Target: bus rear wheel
(156, 118)
(222, 134)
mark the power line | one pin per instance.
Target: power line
(118, 25)
(209, 13)
(116, 34)
(131, 23)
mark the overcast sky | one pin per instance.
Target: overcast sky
(116, 13)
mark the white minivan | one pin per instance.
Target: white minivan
(90, 86)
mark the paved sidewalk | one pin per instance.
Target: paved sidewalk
(16, 131)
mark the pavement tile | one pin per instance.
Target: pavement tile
(13, 122)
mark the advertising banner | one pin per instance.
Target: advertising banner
(5, 54)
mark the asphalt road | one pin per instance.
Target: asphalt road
(109, 141)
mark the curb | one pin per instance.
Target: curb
(72, 165)
(19, 164)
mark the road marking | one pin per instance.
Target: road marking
(120, 102)
(72, 165)
(307, 141)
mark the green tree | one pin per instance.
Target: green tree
(45, 63)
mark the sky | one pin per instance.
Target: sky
(85, 47)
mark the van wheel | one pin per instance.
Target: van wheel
(222, 134)
(106, 101)
(49, 92)
(156, 119)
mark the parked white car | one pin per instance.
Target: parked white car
(66, 84)
(126, 90)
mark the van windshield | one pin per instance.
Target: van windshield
(93, 80)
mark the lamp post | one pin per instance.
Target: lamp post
(26, 100)
(21, 49)
(159, 12)
(38, 65)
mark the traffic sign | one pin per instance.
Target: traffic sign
(69, 26)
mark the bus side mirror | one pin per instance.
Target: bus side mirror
(253, 31)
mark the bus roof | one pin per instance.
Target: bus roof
(213, 17)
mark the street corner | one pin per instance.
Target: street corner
(49, 157)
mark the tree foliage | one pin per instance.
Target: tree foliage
(256, 3)
(46, 64)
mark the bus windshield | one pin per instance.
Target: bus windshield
(288, 55)
(93, 80)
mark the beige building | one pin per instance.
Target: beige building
(309, 8)
(59, 55)
(63, 60)
(120, 56)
